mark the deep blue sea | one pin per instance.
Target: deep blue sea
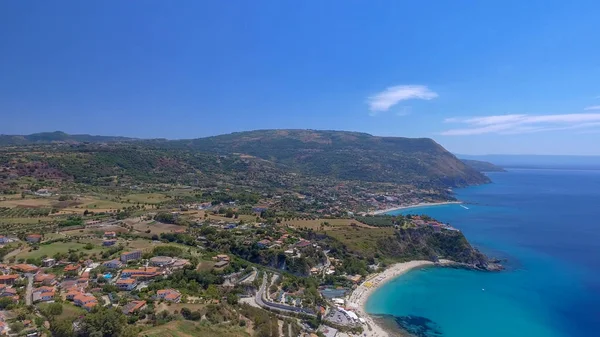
(546, 223)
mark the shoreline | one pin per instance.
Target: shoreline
(421, 204)
(361, 294)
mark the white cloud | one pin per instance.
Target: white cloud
(593, 107)
(517, 124)
(391, 96)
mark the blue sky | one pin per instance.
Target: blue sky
(479, 77)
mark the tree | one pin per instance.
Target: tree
(61, 328)
(103, 322)
(6, 303)
(17, 327)
(52, 309)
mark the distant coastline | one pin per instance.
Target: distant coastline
(422, 204)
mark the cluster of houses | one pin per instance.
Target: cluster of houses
(436, 225)
(75, 286)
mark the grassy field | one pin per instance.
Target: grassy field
(146, 198)
(200, 215)
(156, 227)
(189, 329)
(32, 202)
(101, 204)
(332, 223)
(206, 265)
(70, 312)
(26, 220)
(62, 247)
(359, 239)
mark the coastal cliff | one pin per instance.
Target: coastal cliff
(429, 244)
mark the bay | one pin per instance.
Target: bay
(546, 224)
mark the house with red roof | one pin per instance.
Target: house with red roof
(72, 268)
(127, 284)
(43, 294)
(141, 273)
(34, 238)
(45, 279)
(86, 301)
(170, 295)
(133, 307)
(110, 234)
(8, 279)
(25, 268)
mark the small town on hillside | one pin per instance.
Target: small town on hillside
(137, 265)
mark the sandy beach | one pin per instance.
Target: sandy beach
(359, 296)
(423, 204)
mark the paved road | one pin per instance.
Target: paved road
(327, 264)
(281, 307)
(250, 278)
(29, 291)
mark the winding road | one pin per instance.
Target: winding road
(281, 307)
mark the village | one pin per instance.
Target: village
(123, 278)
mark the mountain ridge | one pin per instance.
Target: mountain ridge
(341, 155)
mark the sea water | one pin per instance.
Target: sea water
(546, 224)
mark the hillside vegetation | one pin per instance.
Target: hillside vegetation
(347, 155)
(483, 166)
(276, 157)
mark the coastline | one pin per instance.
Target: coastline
(422, 204)
(361, 294)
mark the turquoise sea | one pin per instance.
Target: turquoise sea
(546, 224)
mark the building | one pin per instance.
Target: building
(161, 261)
(113, 264)
(170, 295)
(33, 238)
(4, 239)
(110, 242)
(86, 301)
(303, 244)
(133, 306)
(221, 264)
(48, 262)
(9, 292)
(140, 273)
(45, 279)
(43, 294)
(354, 278)
(72, 268)
(127, 284)
(8, 279)
(179, 264)
(222, 257)
(110, 234)
(25, 268)
(130, 256)
(263, 243)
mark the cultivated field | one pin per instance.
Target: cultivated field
(331, 223)
(146, 198)
(34, 202)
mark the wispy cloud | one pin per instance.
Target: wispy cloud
(593, 107)
(516, 124)
(391, 96)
